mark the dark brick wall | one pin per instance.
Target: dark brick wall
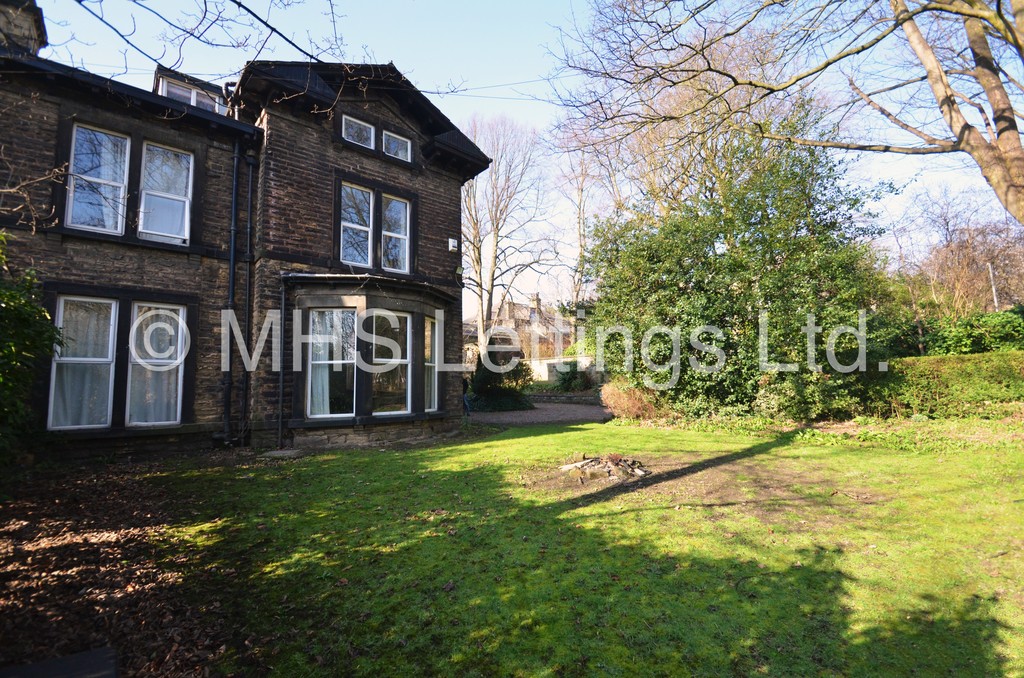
(33, 137)
(295, 230)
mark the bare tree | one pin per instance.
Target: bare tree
(579, 186)
(501, 215)
(971, 253)
(932, 77)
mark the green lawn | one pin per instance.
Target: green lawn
(784, 554)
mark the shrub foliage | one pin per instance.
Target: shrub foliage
(777, 230)
(27, 336)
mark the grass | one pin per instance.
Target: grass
(786, 553)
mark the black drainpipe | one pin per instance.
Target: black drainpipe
(227, 380)
(250, 161)
(280, 372)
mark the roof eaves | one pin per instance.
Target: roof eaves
(141, 96)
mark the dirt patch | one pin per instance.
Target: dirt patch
(78, 571)
(774, 494)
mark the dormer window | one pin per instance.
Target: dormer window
(357, 131)
(187, 94)
(397, 147)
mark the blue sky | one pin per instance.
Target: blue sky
(477, 47)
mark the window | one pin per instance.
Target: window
(332, 363)
(357, 132)
(192, 95)
(397, 147)
(95, 384)
(390, 385)
(166, 194)
(98, 178)
(99, 186)
(431, 343)
(154, 371)
(395, 236)
(356, 221)
(81, 382)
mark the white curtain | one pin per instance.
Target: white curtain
(81, 395)
(154, 396)
(82, 373)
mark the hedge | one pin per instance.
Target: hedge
(949, 386)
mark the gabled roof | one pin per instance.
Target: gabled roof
(324, 83)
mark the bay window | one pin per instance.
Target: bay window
(391, 348)
(332, 363)
(431, 342)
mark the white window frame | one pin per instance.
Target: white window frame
(69, 208)
(218, 101)
(345, 119)
(58, 359)
(408, 146)
(181, 329)
(359, 227)
(430, 385)
(407, 361)
(187, 199)
(384, 234)
(310, 362)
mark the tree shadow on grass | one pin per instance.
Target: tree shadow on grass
(395, 564)
(612, 491)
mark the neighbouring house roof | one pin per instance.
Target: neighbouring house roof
(164, 72)
(144, 99)
(324, 83)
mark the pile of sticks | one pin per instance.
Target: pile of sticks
(612, 466)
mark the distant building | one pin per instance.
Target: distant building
(543, 332)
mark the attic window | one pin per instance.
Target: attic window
(397, 147)
(200, 98)
(357, 131)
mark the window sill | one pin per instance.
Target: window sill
(133, 431)
(135, 241)
(366, 420)
(377, 153)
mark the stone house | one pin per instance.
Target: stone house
(310, 208)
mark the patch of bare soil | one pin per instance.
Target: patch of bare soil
(776, 493)
(78, 571)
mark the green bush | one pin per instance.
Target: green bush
(978, 333)
(949, 386)
(572, 380)
(500, 391)
(27, 336)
